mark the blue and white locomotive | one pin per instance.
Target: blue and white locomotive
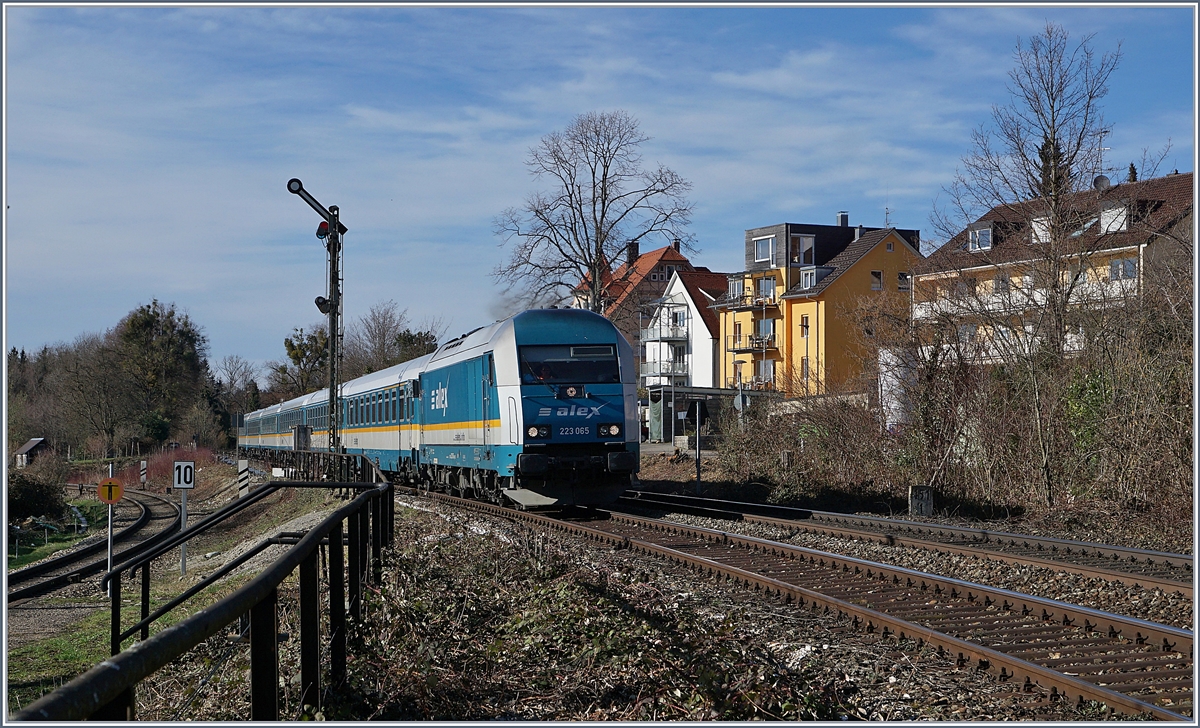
(539, 409)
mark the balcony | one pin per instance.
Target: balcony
(750, 343)
(1092, 293)
(666, 368)
(664, 333)
(747, 302)
(752, 383)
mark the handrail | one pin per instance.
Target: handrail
(106, 682)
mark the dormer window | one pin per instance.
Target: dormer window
(1114, 219)
(808, 278)
(1040, 230)
(735, 288)
(764, 249)
(981, 239)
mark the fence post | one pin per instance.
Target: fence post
(145, 599)
(337, 606)
(391, 515)
(355, 568)
(310, 648)
(364, 543)
(264, 660)
(377, 506)
(114, 589)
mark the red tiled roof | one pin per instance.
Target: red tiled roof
(1161, 202)
(621, 283)
(700, 282)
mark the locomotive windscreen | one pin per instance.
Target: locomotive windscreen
(566, 364)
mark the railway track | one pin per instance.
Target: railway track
(1135, 567)
(154, 519)
(1039, 646)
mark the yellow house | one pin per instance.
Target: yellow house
(1013, 279)
(784, 320)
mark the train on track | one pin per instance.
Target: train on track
(538, 409)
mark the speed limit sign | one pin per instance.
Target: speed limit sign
(185, 474)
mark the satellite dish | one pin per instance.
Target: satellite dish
(1101, 183)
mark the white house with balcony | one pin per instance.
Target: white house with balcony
(682, 335)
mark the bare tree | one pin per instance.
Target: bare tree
(238, 379)
(384, 337)
(601, 199)
(1027, 170)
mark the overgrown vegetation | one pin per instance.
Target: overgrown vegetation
(476, 626)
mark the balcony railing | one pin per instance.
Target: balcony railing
(750, 343)
(747, 300)
(758, 383)
(1099, 293)
(665, 333)
(663, 368)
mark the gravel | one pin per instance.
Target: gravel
(1153, 605)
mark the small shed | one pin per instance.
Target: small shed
(29, 451)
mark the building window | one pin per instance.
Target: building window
(766, 288)
(802, 249)
(1001, 284)
(1122, 268)
(804, 327)
(889, 246)
(670, 269)
(654, 276)
(876, 280)
(808, 278)
(1113, 219)
(981, 239)
(679, 319)
(903, 281)
(765, 327)
(963, 288)
(764, 248)
(765, 370)
(966, 333)
(735, 288)
(1040, 230)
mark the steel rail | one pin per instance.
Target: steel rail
(102, 684)
(99, 544)
(978, 600)
(76, 575)
(825, 523)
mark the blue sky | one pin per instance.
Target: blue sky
(147, 149)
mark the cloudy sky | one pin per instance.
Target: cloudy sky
(147, 149)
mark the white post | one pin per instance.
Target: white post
(183, 527)
(110, 541)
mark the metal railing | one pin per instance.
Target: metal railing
(748, 343)
(664, 333)
(663, 368)
(106, 691)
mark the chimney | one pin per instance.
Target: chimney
(843, 218)
(675, 244)
(631, 253)
(858, 232)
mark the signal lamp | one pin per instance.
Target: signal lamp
(323, 230)
(322, 304)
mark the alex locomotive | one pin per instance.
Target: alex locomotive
(539, 409)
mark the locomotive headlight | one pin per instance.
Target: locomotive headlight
(538, 432)
(609, 430)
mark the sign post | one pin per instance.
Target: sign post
(143, 477)
(110, 491)
(184, 479)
